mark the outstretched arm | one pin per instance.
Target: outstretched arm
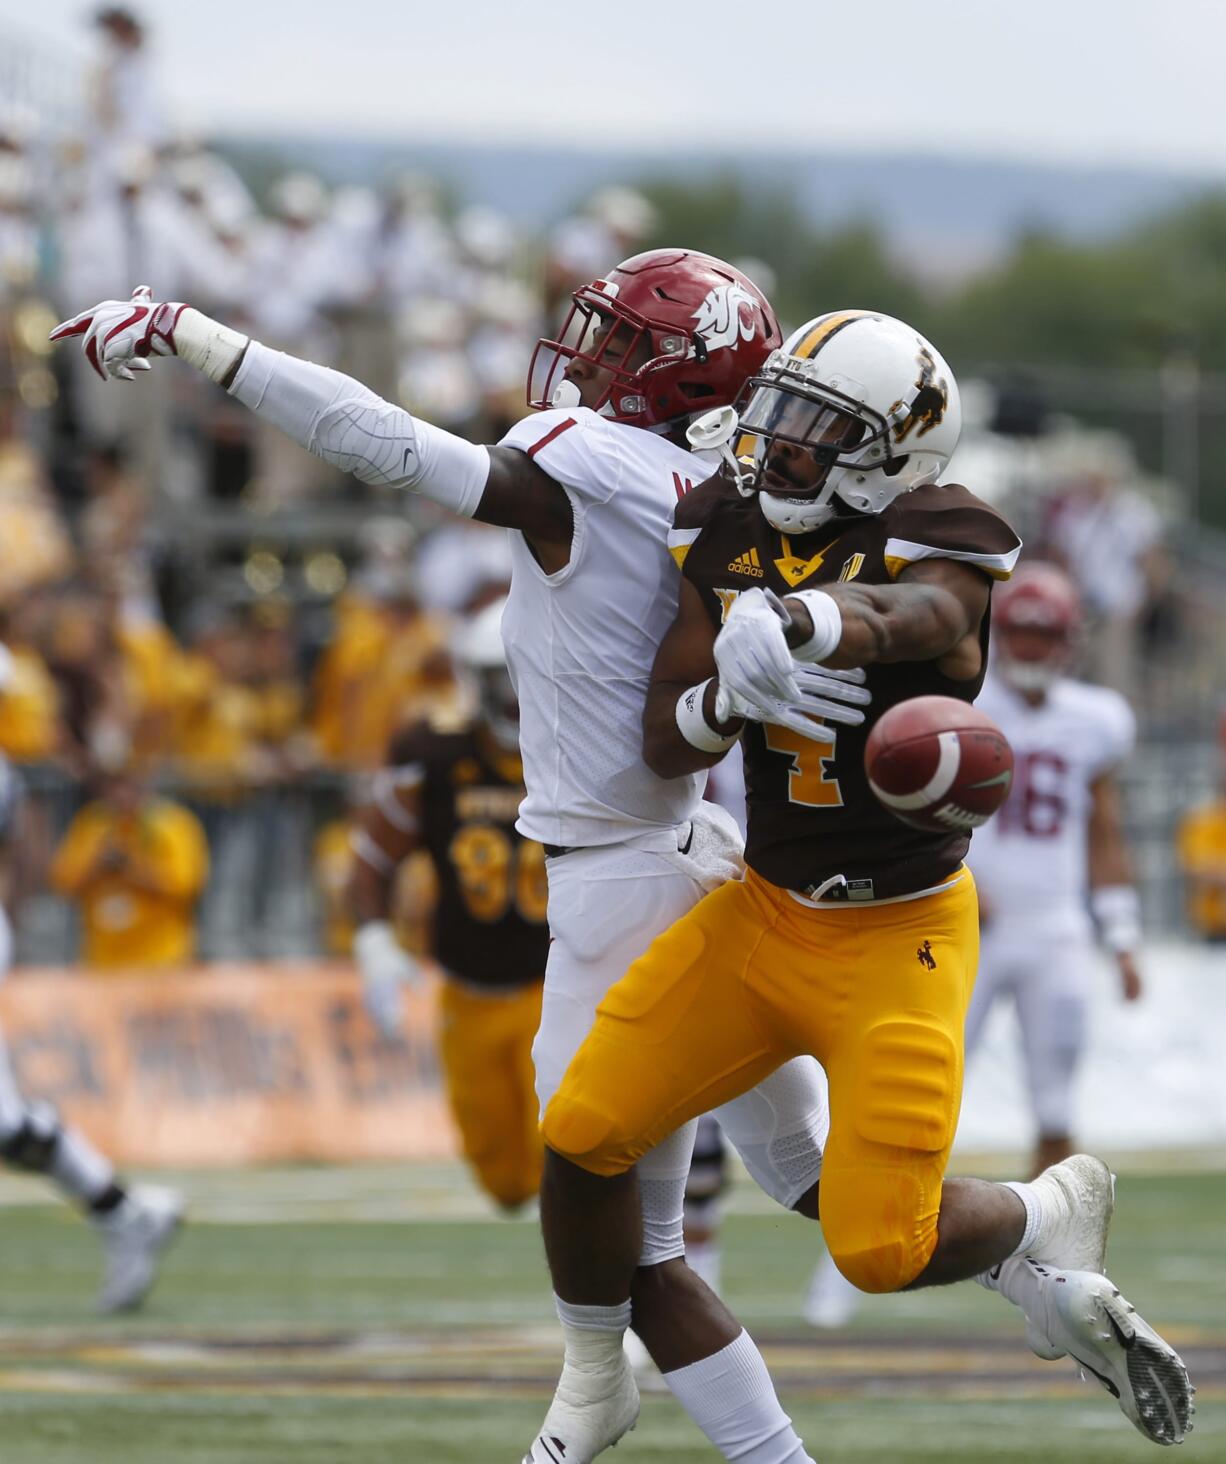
(931, 613)
(333, 416)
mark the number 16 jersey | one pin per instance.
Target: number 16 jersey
(1030, 859)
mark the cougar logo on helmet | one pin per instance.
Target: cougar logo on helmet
(928, 409)
(725, 316)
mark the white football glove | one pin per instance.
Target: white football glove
(385, 967)
(761, 681)
(751, 652)
(836, 696)
(119, 335)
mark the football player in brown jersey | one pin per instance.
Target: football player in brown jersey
(852, 937)
(453, 790)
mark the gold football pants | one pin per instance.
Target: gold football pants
(750, 978)
(485, 1043)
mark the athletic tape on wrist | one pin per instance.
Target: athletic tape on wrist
(207, 345)
(1117, 913)
(693, 725)
(827, 625)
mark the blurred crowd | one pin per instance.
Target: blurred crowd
(153, 655)
(195, 616)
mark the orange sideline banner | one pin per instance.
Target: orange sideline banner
(228, 1064)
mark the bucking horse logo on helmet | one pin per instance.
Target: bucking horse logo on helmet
(728, 313)
(932, 398)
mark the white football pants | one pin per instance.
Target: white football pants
(1048, 976)
(606, 906)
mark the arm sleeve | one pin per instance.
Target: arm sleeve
(346, 424)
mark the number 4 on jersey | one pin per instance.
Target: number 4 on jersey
(810, 780)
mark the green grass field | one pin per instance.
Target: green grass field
(377, 1314)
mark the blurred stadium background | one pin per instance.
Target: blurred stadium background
(191, 610)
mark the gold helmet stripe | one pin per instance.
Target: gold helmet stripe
(826, 327)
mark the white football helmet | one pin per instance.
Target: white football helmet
(480, 651)
(853, 410)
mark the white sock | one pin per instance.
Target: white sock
(593, 1334)
(1018, 1280)
(704, 1258)
(730, 1397)
(79, 1169)
(1034, 1221)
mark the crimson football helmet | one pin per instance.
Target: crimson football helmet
(705, 327)
(1036, 620)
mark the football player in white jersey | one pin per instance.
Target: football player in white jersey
(1051, 866)
(134, 1223)
(589, 483)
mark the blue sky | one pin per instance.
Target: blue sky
(1128, 82)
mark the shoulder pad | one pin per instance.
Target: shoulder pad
(696, 509)
(947, 521)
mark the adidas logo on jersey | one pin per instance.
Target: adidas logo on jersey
(747, 563)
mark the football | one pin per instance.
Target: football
(939, 764)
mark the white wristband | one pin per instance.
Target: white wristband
(1117, 913)
(693, 725)
(827, 625)
(207, 345)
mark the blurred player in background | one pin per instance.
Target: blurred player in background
(851, 937)
(133, 1223)
(1056, 853)
(1053, 855)
(589, 484)
(453, 789)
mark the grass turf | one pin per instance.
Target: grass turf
(431, 1340)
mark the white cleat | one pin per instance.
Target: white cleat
(589, 1413)
(1078, 1199)
(134, 1235)
(832, 1300)
(1085, 1316)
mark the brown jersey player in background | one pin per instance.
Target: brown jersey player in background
(852, 937)
(453, 791)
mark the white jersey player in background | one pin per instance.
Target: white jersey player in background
(1050, 867)
(589, 484)
(133, 1224)
(1053, 865)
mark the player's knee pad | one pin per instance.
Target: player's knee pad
(586, 1135)
(32, 1144)
(510, 1192)
(879, 1225)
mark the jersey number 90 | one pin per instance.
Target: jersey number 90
(497, 872)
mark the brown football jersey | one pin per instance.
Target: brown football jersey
(489, 920)
(812, 815)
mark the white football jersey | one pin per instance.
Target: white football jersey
(1030, 859)
(580, 643)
